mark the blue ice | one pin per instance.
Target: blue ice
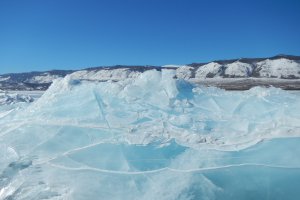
(152, 137)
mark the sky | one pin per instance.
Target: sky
(38, 35)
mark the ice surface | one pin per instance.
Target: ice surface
(151, 137)
(8, 99)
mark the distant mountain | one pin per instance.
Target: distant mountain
(30, 80)
(278, 67)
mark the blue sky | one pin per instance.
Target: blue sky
(72, 34)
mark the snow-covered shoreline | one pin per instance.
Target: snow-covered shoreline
(279, 71)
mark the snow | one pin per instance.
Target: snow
(105, 74)
(280, 68)
(150, 137)
(4, 78)
(273, 69)
(212, 69)
(45, 78)
(6, 98)
(238, 69)
(184, 72)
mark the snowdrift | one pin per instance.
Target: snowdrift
(151, 137)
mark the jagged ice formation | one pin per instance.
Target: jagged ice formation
(150, 137)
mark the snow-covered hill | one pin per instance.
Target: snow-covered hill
(278, 67)
(209, 70)
(30, 80)
(43, 78)
(238, 69)
(283, 67)
(105, 74)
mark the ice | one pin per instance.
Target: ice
(151, 137)
(6, 98)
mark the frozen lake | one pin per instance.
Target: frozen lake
(152, 137)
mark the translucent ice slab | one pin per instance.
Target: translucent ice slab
(152, 137)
